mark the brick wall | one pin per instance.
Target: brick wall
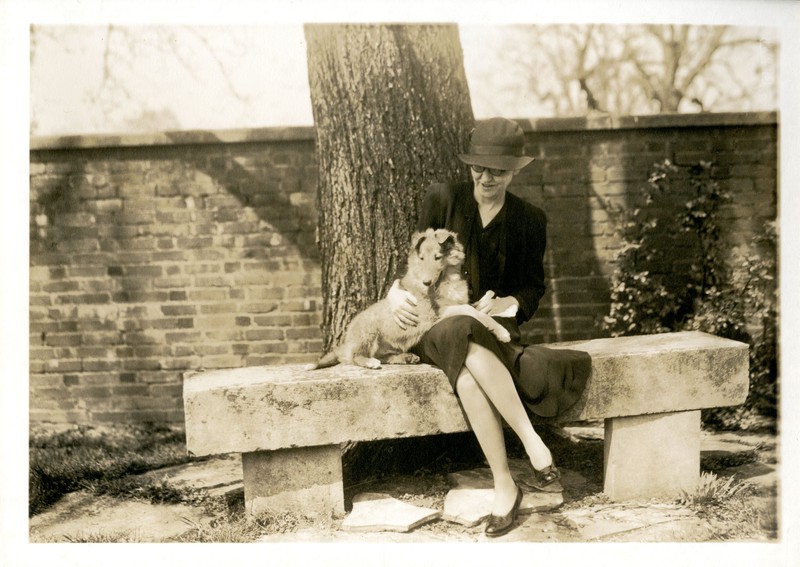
(154, 255)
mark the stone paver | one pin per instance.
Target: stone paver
(375, 512)
(82, 515)
(633, 522)
(471, 501)
(218, 476)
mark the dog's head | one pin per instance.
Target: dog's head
(431, 252)
(451, 247)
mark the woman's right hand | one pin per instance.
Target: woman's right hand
(403, 306)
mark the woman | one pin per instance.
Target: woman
(504, 239)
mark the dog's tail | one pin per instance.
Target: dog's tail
(330, 359)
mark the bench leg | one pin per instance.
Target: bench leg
(306, 480)
(650, 456)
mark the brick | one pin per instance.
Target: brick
(265, 348)
(202, 295)
(174, 323)
(101, 365)
(233, 334)
(302, 333)
(261, 307)
(226, 361)
(264, 360)
(274, 320)
(141, 296)
(265, 335)
(175, 310)
(86, 298)
(63, 339)
(94, 352)
(211, 281)
(264, 293)
(183, 337)
(172, 282)
(140, 364)
(78, 245)
(181, 363)
(213, 349)
(144, 271)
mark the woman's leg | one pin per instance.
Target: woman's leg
(488, 428)
(496, 383)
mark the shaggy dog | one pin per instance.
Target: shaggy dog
(434, 278)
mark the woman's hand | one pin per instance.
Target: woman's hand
(502, 306)
(403, 306)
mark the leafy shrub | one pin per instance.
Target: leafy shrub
(667, 281)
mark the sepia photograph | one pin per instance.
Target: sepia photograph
(334, 277)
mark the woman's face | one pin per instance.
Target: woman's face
(489, 186)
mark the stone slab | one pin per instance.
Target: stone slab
(376, 512)
(275, 407)
(661, 373)
(652, 455)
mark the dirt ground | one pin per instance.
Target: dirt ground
(585, 515)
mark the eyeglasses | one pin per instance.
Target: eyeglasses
(492, 171)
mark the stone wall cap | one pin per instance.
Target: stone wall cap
(307, 133)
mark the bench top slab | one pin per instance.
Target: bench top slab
(274, 407)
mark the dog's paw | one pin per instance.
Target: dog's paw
(365, 362)
(502, 334)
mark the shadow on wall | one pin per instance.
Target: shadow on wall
(150, 260)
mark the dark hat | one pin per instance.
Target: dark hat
(497, 143)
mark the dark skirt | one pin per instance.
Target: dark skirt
(547, 380)
(445, 344)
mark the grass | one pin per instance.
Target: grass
(734, 508)
(714, 490)
(238, 527)
(90, 458)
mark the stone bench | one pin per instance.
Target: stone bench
(289, 424)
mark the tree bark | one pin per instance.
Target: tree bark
(392, 109)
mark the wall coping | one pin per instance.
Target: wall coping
(306, 133)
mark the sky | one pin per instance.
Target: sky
(267, 83)
(228, 77)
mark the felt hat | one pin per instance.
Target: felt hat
(497, 143)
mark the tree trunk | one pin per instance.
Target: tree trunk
(391, 109)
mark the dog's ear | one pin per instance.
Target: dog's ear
(442, 236)
(447, 240)
(416, 240)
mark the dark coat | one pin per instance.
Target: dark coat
(452, 206)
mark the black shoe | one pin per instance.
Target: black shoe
(500, 525)
(545, 480)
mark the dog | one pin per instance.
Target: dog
(434, 277)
